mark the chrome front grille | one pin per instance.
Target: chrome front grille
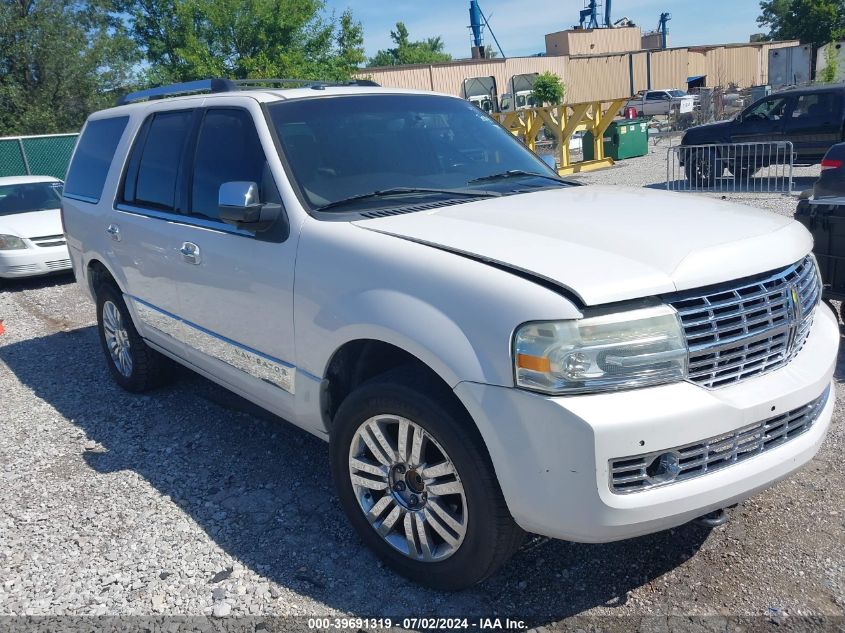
(748, 327)
(49, 240)
(633, 474)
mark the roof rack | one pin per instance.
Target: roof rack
(233, 85)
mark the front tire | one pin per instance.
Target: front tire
(134, 365)
(415, 481)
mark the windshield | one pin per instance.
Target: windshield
(677, 93)
(340, 147)
(30, 196)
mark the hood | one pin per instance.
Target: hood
(32, 224)
(608, 244)
(709, 132)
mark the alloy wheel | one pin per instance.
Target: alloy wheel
(408, 488)
(117, 339)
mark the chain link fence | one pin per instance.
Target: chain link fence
(46, 155)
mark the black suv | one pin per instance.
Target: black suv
(811, 118)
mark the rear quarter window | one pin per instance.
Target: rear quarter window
(94, 153)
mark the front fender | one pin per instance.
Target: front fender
(408, 323)
(455, 314)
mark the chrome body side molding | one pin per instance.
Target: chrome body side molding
(252, 362)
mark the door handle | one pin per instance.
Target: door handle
(190, 253)
(114, 232)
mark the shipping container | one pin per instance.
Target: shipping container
(790, 66)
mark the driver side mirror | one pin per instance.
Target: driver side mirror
(239, 204)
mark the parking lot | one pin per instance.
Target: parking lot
(189, 500)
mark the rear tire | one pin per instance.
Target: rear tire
(134, 365)
(700, 169)
(450, 551)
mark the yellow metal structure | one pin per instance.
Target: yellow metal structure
(562, 122)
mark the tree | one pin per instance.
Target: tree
(59, 61)
(548, 88)
(185, 40)
(350, 44)
(813, 22)
(428, 51)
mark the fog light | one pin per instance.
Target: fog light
(664, 468)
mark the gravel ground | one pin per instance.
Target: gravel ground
(191, 501)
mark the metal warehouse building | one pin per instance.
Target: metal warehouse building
(597, 76)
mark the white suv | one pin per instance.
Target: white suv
(487, 348)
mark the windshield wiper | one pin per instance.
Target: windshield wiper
(518, 173)
(402, 191)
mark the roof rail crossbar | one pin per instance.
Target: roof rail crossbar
(231, 85)
(303, 83)
(188, 87)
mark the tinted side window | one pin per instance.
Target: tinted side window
(823, 106)
(768, 110)
(228, 149)
(160, 157)
(94, 153)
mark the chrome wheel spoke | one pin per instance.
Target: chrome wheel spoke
(366, 466)
(413, 552)
(389, 521)
(370, 484)
(404, 439)
(378, 509)
(447, 535)
(443, 515)
(400, 475)
(448, 488)
(416, 446)
(424, 540)
(438, 470)
(375, 448)
(124, 363)
(385, 446)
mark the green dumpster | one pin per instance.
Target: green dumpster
(623, 139)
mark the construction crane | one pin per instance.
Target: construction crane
(661, 26)
(477, 23)
(590, 14)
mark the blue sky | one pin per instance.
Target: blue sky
(521, 24)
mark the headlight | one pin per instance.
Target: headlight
(613, 351)
(11, 243)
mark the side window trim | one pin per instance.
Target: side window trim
(189, 179)
(184, 178)
(133, 161)
(185, 175)
(189, 184)
(178, 218)
(137, 149)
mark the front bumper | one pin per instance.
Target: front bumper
(552, 455)
(34, 261)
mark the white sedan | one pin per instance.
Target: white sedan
(32, 240)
